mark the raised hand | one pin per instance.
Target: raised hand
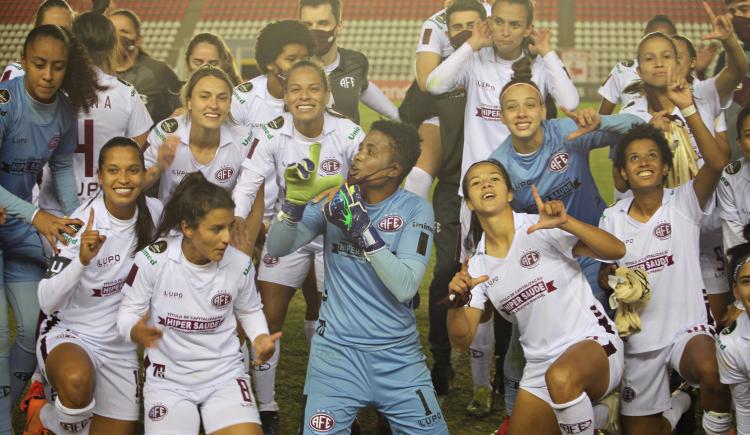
(586, 119)
(705, 55)
(661, 121)
(552, 214)
(481, 36)
(52, 227)
(91, 241)
(145, 334)
(459, 289)
(264, 346)
(302, 181)
(678, 90)
(167, 150)
(541, 41)
(721, 25)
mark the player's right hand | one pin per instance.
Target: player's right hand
(481, 36)
(91, 241)
(302, 181)
(459, 289)
(605, 270)
(586, 119)
(52, 227)
(145, 334)
(167, 150)
(264, 346)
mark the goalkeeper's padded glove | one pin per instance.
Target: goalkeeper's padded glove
(303, 184)
(348, 212)
(632, 291)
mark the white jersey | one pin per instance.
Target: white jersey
(13, 70)
(85, 299)
(540, 286)
(666, 247)
(733, 197)
(234, 145)
(195, 305)
(733, 352)
(622, 75)
(434, 35)
(118, 111)
(253, 106)
(279, 144)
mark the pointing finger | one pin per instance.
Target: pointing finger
(90, 223)
(709, 11)
(537, 198)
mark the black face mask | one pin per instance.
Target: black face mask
(127, 46)
(742, 28)
(324, 40)
(458, 39)
(282, 76)
(369, 177)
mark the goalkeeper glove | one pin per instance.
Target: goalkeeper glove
(303, 184)
(347, 211)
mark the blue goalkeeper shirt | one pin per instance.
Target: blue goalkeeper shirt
(560, 168)
(360, 307)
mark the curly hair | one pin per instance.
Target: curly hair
(275, 36)
(404, 142)
(226, 59)
(79, 82)
(639, 132)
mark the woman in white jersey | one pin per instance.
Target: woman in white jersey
(525, 266)
(93, 370)
(118, 111)
(732, 193)
(210, 49)
(180, 302)
(661, 228)
(732, 346)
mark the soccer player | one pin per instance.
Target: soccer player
(92, 370)
(210, 49)
(661, 228)
(733, 201)
(118, 111)
(40, 113)
(731, 346)
(192, 284)
(346, 69)
(282, 141)
(377, 241)
(154, 80)
(525, 267)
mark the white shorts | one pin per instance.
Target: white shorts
(645, 383)
(116, 392)
(712, 262)
(534, 373)
(172, 411)
(432, 121)
(291, 270)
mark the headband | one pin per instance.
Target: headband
(739, 266)
(525, 84)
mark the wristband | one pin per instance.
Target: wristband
(689, 111)
(372, 240)
(291, 212)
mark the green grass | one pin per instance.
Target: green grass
(291, 374)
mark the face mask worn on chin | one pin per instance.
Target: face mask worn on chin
(282, 76)
(459, 38)
(351, 180)
(742, 28)
(324, 40)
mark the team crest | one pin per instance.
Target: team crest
(270, 261)
(558, 162)
(330, 166)
(733, 167)
(224, 174)
(4, 96)
(221, 300)
(157, 412)
(530, 259)
(277, 123)
(391, 223)
(628, 394)
(158, 247)
(245, 87)
(729, 329)
(169, 125)
(53, 142)
(322, 422)
(663, 231)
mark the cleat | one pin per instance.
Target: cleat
(481, 404)
(34, 425)
(270, 422)
(504, 428)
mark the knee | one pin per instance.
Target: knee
(563, 383)
(76, 387)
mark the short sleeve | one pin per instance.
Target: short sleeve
(685, 202)
(153, 142)
(431, 38)
(726, 206)
(560, 240)
(140, 120)
(260, 159)
(730, 370)
(611, 89)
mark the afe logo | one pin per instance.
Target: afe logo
(558, 162)
(224, 174)
(221, 300)
(157, 412)
(54, 142)
(390, 223)
(322, 423)
(663, 231)
(330, 166)
(347, 82)
(530, 259)
(270, 261)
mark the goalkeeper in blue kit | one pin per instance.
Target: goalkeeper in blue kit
(378, 240)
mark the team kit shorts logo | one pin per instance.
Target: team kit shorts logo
(5, 96)
(558, 162)
(663, 231)
(221, 300)
(330, 166)
(157, 412)
(322, 422)
(270, 261)
(391, 223)
(530, 259)
(628, 394)
(224, 174)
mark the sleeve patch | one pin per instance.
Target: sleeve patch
(131, 275)
(733, 167)
(252, 148)
(426, 36)
(422, 245)
(5, 96)
(277, 123)
(169, 125)
(245, 87)
(56, 265)
(158, 247)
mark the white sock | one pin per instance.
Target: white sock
(66, 421)
(680, 404)
(264, 379)
(601, 412)
(419, 182)
(310, 330)
(481, 354)
(717, 423)
(576, 416)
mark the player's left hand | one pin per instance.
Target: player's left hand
(705, 55)
(541, 41)
(552, 214)
(721, 25)
(264, 346)
(679, 91)
(586, 119)
(346, 211)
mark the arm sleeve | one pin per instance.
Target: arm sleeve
(611, 127)
(248, 308)
(478, 293)
(560, 85)
(285, 237)
(731, 234)
(61, 278)
(376, 100)
(140, 121)
(16, 206)
(136, 296)
(64, 177)
(451, 72)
